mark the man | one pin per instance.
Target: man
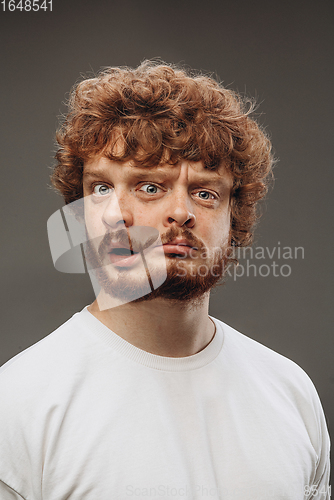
(142, 394)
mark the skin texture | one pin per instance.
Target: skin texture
(186, 199)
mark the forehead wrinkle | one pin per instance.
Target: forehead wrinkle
(195, 172)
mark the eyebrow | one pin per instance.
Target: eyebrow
(208, 180)
(137, 174)
(216, 182)
(96, 174)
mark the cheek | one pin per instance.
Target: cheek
(215, 230)
(93, 221)
(146, 216)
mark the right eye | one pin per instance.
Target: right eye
(149, 188)
(101, 189)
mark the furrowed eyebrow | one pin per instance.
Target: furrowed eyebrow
(104, 175)
(144, 175)
(94, 175)
(207, 180)
(210, 181)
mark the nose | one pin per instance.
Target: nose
(116, 214)
(180, 212)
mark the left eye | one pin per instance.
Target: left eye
(205, 195)
(149, 188)
(101, 189)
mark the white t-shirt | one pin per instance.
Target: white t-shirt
(87, 416)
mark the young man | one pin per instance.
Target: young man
(142, 394)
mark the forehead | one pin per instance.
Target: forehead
(191, 171)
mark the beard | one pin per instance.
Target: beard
(189, 278)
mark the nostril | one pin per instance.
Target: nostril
(183, 221)
(115, 224)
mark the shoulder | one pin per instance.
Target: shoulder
(262, 366)
(58, 353)
(35, 388)
(254, 355)
(277, 386)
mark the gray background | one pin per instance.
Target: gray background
(280, 52)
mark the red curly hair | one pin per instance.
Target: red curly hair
(166, 114)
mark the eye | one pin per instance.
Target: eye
(149, 188)
(205, 195)
(101, 189)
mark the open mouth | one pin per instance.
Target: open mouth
(121, 251)
(120, 254)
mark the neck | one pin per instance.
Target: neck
(159, 326)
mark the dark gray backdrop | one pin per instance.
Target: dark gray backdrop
(281, 52)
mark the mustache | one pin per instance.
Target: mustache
(138, 238)
(185, 233)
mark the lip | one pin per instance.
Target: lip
(122, 261)
(178, 247)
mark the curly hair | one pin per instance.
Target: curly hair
(165, 114)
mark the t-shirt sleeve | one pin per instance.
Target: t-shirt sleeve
(16, 474)
(320, 489)
(7, 493)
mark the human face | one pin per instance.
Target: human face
(187, 204)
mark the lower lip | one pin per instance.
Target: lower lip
(120, 261)
(182, 250)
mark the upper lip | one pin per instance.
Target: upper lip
(179, 241)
